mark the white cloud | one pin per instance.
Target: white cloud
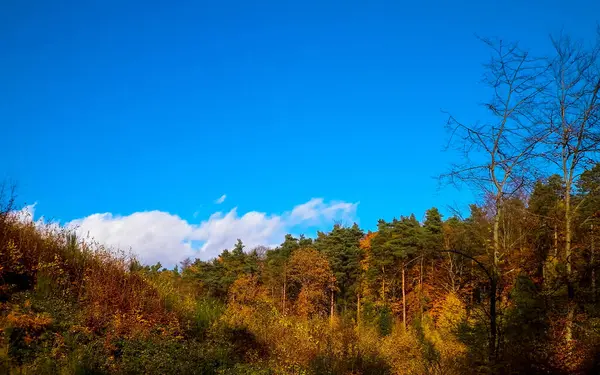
(25, 214)
(316, 210)
(221, 199)
(161, 236)
(153, 235)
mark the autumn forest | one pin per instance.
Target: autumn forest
(506, 286)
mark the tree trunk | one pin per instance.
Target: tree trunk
(544, 281)
(520, 239)
(555, 240)
(451, 272)
(358, 309)
(570, 288)
(284, 289)
(472, 286)
(403, 301)
(421, 289)
(493, 328)
(494, 287)
(496, 244)
(593, 261)
(331, 312)
(383, 284)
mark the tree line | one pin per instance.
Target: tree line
(533, 162)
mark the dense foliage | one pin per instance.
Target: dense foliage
(510, 288)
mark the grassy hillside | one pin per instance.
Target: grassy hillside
(73, 308)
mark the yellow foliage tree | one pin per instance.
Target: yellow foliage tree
(311, 270)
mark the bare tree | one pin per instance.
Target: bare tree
(261, 251)
(7, 205)
(574, 139)
(7, 197)
(498, 152)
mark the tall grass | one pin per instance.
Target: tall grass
(73, 306)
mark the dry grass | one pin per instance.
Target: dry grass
(110, 297)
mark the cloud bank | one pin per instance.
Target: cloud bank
(161, 236)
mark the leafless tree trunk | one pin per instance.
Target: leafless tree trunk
(498, 153)
(451, 273)
(574, 137)
(593, 262)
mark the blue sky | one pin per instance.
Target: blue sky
(125, 107)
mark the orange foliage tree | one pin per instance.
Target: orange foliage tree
(312, 273)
